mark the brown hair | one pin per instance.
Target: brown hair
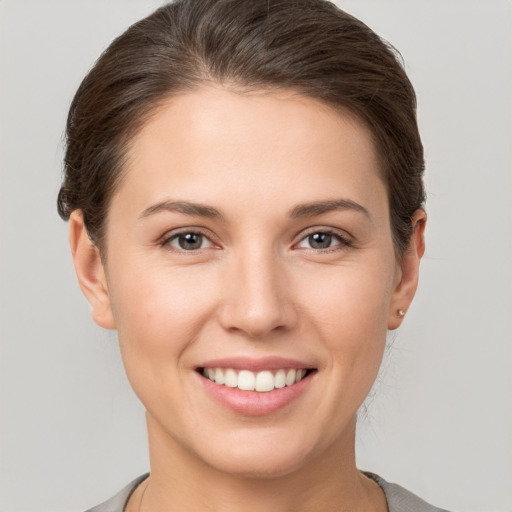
(309, 46)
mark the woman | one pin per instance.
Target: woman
(244, 189)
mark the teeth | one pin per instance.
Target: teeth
(280, 379)
(264, 381)
(290, 377)
(246, 380)
(219, 376)
(231, 378)
(254, 381)
(300, 374)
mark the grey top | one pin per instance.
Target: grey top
(398, 498)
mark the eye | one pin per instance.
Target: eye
(321, 240)
(188, 241)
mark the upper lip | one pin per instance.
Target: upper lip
(256, 364)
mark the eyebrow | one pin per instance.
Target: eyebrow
(299, 211)
(184, 207)
(317, 208)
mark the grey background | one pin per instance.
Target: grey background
(72, 433)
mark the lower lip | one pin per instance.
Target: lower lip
(254, 403)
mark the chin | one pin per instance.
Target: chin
(258, 466)
(264, 455)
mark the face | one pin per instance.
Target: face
(249, 245)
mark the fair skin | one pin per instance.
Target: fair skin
(289, 263)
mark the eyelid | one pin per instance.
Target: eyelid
(346, 240)
(167, 237)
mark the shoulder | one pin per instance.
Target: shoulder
(118, 502)
(400, 499)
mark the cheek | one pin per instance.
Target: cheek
(349, 309)
(352, 299)
(158, 312)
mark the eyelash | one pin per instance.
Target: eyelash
(166, 241)
(343, 241)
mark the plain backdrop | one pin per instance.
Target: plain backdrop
(440, 423)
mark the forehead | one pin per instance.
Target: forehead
(208, 111)
(212, 139)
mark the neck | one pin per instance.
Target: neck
(182, 482)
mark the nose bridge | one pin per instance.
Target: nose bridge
(256, 300)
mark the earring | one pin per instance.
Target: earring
(400, 312)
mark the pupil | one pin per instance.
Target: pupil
(320, 240)
(191, 241)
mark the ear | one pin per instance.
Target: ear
(90, 271)
(408, 271)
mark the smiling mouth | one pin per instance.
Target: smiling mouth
(261, 382)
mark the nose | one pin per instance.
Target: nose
(257, 296)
